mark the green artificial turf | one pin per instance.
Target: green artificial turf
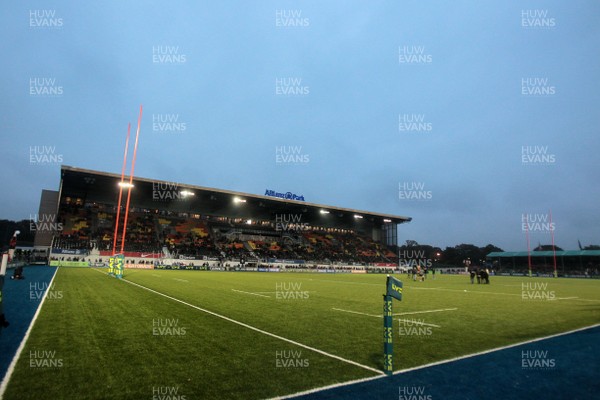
(104, 330)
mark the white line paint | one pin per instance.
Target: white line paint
(398, 314)
(464, 291)
(426, 311)
(403, 371)
(254, 294)
(180, 280)
(350, 283)
(13, 363)
(497, 293)
(257, 329)
(357, 312)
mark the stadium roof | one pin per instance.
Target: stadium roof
(157, 194)
(550, 253)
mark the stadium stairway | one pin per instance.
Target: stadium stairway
(21, 300)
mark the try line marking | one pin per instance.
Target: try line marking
(254, 328)
(426, 311)
(254, 294)
(396, 314)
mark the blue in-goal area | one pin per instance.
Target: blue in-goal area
(563, 367)
(21, 299)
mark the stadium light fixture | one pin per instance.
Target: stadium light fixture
(186, 193)
(387, 220)
(249, 222)
(324, 212)
(125, 185)
(358, 216)
(238, 200)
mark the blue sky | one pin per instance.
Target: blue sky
(212, 69)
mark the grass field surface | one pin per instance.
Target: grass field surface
(193, 334)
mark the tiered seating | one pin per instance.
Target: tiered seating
(271, 249)
(190, 237)
(347, 247)
(149, 231)
(232, 248)
(76, 228)
(141, 233)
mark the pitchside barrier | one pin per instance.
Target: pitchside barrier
(59, 263)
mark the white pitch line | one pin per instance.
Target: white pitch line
(357, 312)
(426, 311)
(419, 323)
(257, 329)
(405, 313)
(254, 294)
(498, 293)
(464, 290)
(578, 299)
(350, 283)
(13, 363)
(180, 280)
(568, 298)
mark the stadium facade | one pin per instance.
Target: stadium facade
(200, 225)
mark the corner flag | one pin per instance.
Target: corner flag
(394, 288)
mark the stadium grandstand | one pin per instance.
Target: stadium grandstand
(172, 224)
(568, 263)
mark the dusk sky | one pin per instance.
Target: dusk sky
(464, 115)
